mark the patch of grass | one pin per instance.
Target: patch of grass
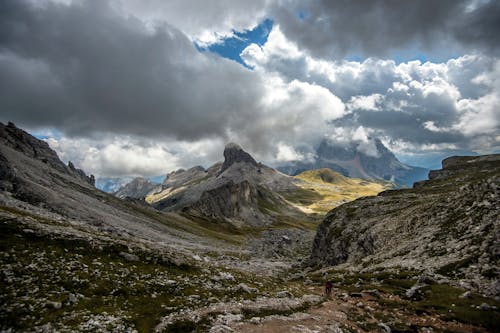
(440, 298)
(452, 269)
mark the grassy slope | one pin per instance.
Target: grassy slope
(324, 189)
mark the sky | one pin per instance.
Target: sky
(144, 87)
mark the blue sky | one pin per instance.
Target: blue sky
(232, 47)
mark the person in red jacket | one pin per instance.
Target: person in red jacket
(328, 288)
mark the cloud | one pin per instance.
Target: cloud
(381, 28)
(132, 156)
(83, 68)
(424, 104)
(203, 21)
(128, 93)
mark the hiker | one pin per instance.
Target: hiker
(328, 288)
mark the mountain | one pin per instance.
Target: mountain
(111, 184)
(448, 225)
(61, 198)
(239, 191)
(350, 161)
(74, 258)
(138, 188)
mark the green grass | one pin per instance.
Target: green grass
(434, 299)
(439, 298)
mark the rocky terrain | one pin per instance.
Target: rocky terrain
(242, 192)
(351, 162)
(76, 259)
(448, 225)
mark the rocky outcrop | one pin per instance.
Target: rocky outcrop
(233, 153)
(239, 191)
(183, 177)
(350, 161)
(449, 225)
(23, 142)
(231, 201)
(138, 188)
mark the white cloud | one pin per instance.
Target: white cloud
(132, 156)
(427, 104)
(287, 153)
(206, 22)
(369, 103)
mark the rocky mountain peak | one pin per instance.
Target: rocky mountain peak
(138, 188)
(351, 160)
(233, 153)
(15, 138)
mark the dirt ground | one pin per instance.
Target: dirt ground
(357, 312)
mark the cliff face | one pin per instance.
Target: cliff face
(449, 224)
(138, 188)
(22, 142)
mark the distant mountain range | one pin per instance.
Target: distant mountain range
(243, 191)
(351, 162)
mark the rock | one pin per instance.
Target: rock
(372, 292)
(410, 293)
(284, 294)
(54, 305)
(426, 279)
(224, 276)
(466, 294)
(245, 288)
(356, 295)
(385, 327)
(234, 154)
(485, 307)
(129, 256)
(255, 320)
(221, 329)
(72, 299)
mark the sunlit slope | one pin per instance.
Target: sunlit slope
(325, 189)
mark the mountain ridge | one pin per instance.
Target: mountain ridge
(349, 161)
(448, 225)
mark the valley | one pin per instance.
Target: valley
(241, 247)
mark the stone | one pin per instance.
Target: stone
(466, 294)
(54, 305)
(485, 307)
(233, 153)
(72, 299)
(410, 293)
(284, 294)
(129, 256)
(245, 288)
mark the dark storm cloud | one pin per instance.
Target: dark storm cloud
(405, 126)
(383, 27)
(83, 68)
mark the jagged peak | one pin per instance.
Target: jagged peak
(25, 143)
(232, 145)
(233, 153)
